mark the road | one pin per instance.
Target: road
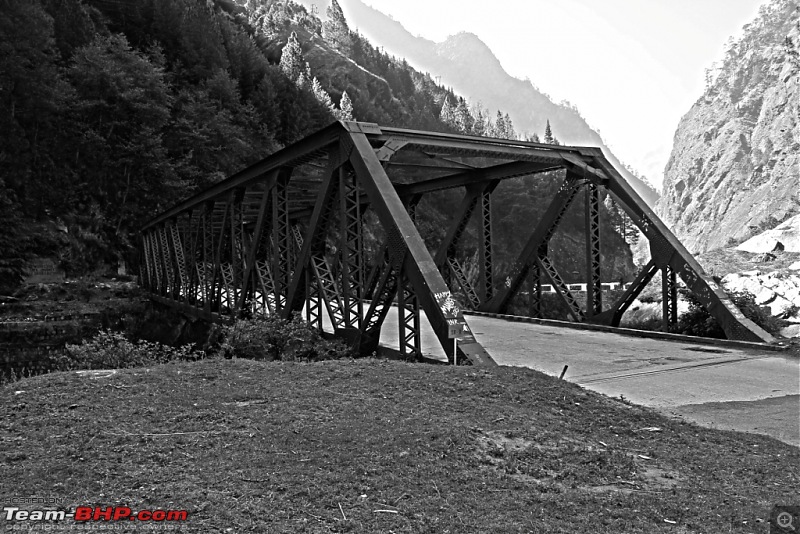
(714, 386)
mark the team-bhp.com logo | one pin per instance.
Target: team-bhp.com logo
(90, 513)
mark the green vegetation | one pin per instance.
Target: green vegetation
(113, 350)
(129, 107)
(698, 322)
(273, 338)
(371, 446)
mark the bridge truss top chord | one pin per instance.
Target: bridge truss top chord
(287, 235)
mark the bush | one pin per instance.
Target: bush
(112, 350)
(698, 322)
(273, 338)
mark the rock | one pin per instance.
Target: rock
(733, 167)
(785, 236)
(779, 305)
(765, 257)
(791, 331)
(764, 296)
(761, 243)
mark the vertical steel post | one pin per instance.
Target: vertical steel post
(238, 288)
(352, 283)
(486, 264)
(535, 290)
(594, 287)
(166, 259)
(669, 296)
(282, 240)
(408, 319)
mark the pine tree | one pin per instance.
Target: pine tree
(346, 108)
(548, 134)
(463, 119)
(322, 96)
(479, 121)
(447, 115)
(510, 132)
(535, 138)
(335, 29)
(293, 64)
(500, 130)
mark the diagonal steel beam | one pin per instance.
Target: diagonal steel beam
(255, 241)
(406, 243)
(666, 249)
(314, 242)
(613, 316)
(536, 246)
(562, 289)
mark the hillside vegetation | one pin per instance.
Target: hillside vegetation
(112, 110)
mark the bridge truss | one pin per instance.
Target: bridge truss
(287, 235)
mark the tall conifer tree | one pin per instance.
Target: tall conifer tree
(447, 115)
(548, 134)
(346, 108)
(335, 29)
(293, 64)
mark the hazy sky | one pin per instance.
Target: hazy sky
(632, 67)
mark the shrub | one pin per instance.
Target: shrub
(112, 350)
(698, 322)
(273, 338)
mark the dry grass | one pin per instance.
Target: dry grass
(374, 446)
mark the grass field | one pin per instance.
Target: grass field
(374, 446)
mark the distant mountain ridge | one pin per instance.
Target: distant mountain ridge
(468, 65)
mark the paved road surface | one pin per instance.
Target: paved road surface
(715, 386)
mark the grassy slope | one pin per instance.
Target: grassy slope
(278, 447)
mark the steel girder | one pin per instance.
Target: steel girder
(238, 246)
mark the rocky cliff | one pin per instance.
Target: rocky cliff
(733, 171)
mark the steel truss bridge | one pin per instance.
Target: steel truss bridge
(287, 236)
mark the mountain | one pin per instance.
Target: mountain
(112, 110)
(733, 171)
(466, 64)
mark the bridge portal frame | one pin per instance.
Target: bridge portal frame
(287, 234)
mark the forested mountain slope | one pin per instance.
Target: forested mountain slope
(735, 165)
(111, 110)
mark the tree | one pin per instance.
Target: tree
(293, 64)
(462, 119)
(447, 115)
(322, 96)
(510, 132)
(479, 121)
(548, 134)
(346, 108)
(124, 107)
(500, 130)
(13, 241)
(335, 29)
(535, 138)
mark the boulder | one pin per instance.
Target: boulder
(761, 244)
(791, 331)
